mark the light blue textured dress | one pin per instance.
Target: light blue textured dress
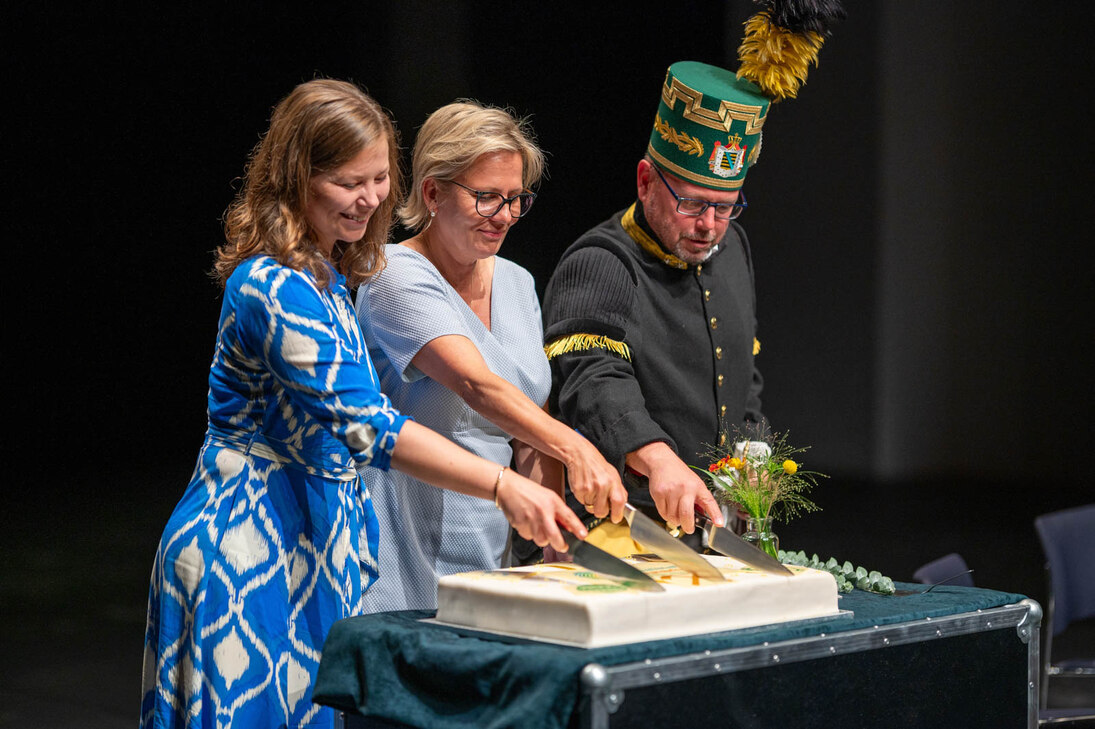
(275, 537)
(426, 532)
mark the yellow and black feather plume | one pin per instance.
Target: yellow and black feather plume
(782, 40)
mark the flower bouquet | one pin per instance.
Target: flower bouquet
(763, 479)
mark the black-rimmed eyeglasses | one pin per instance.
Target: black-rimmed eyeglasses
(694, 206)
(488, 204)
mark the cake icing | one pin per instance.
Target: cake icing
(566, 603)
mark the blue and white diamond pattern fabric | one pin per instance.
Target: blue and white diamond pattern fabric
(275, 537)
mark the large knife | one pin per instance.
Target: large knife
(726, 542)
(654, 538)
(598, 560)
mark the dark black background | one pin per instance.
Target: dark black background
(917, 218)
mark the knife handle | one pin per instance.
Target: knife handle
(569, 538)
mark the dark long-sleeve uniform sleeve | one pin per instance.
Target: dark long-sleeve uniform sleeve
(642, 351)
(592, 307)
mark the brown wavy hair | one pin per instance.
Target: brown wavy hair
(321, 125)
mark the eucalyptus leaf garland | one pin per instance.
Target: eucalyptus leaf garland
(848, 577)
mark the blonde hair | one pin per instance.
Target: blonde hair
(454, 137)
(321, 125)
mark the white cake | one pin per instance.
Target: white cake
(566, 603)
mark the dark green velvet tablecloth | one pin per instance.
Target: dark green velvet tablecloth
(396, 667)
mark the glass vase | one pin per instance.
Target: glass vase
(759, 533)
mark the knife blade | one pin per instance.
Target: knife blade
(654, 538)
(725, 542)
(598, 560)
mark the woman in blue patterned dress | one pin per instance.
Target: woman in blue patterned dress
(275, 538)
(454, 330)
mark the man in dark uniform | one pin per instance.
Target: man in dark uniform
(651, 316)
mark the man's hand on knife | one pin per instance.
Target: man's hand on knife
(677, 490)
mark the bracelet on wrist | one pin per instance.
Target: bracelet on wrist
(498, 488)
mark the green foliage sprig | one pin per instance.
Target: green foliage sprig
(847, 576)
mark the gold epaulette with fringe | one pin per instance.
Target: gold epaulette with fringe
(582, 342)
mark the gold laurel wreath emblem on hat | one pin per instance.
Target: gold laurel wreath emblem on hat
(683, 142)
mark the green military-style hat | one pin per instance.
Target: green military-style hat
(708, 126)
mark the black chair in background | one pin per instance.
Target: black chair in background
(1068, 540)
(950, 569)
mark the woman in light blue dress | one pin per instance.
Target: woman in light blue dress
(275, 537)
(454, 330)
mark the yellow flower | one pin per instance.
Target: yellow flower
(734, 463)
(790, 467)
